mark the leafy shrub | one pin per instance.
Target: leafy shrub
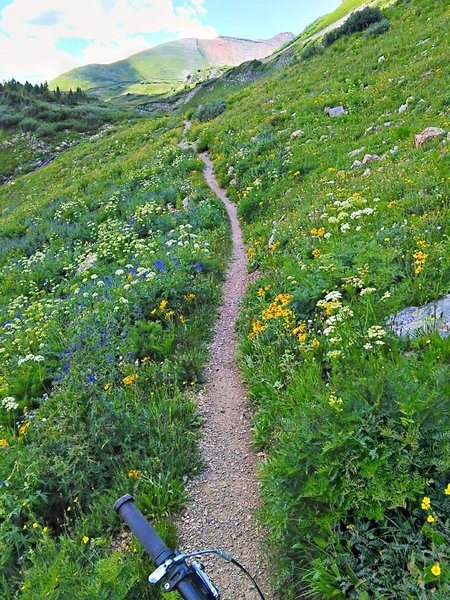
(29, 124)
(361, 19)
(377, 28)
(203, 141)
(358, 21)
(209, 111)
(331, 37)
(310, 51)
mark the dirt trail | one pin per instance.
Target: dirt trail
(225, 495)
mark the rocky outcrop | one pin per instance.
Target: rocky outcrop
(415, 320)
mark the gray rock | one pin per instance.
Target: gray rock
(368, 158)
(297, 133)
(233, 181)
(337, 111)
(357, 151)
(88, 262)
(356, 164)
(381, 58)
(413, 320)
(427, 134)
(366, 172)
(402, 108)
(185, 202)
(231, 170)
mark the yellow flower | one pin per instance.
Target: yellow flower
(3, 443)
(163, 304)
(431, 519)
(447, 490)
(257, 327)
(436, 569)
(24, 428)
(273, 246)
(44, 530)
(107, 386)
(251, 253)
(134, 474)
(315, 343)
(85, 539)
(35, 525)
(316, 253)
(189, 297)
(182, 319)
(318, 232)
(426, 503)
(129, 379)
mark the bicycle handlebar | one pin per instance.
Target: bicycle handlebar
(153, 544)
(142, 529)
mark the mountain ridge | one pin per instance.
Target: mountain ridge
(168, 66)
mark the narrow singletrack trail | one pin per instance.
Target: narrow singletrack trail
(224, 497)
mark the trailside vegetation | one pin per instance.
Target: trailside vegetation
(35, 122)
(346, 220)
(109, 283)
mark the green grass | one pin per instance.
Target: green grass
(109, 288)
(352, 419)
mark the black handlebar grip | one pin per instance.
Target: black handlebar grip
(153, 544)
(142, 529)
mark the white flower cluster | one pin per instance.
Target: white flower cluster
(30, 358)
(375, 335)
(9, 403)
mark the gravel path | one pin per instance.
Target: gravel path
(225, 495)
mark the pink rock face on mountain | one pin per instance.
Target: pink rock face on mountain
(234, 51)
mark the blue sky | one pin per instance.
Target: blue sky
(40, 39)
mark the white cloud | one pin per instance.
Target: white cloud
(113, 29)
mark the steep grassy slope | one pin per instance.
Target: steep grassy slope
(353, 419)
(108, 288)
(167, 64)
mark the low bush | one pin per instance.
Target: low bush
(377, 28)
(209, 111)
(358, 21)
(310, 51)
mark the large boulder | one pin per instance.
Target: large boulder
(415, 320)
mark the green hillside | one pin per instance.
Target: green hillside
(161, 63)
(36, 124)
(353, 420)
(165, 66)
(109, 286)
